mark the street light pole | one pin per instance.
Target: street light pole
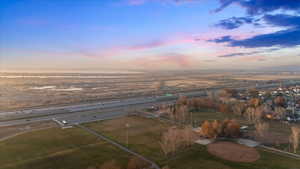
(127, 135)
(192, 119)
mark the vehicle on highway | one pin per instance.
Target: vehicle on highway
(64, 122)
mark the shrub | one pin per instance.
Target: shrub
(227, 128)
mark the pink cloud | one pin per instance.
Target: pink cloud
(117, 50)
(147, 45)
(52, 53)
(200, 39)
(170, 59)
(90, 54)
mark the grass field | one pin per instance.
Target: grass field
(278, 132)
(198, 158)
(74, 148)
(144, 136)
(57, 149)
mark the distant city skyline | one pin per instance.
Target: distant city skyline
(95, 35)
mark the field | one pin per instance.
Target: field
(198, 158)
(57, 148)
(77, 149)
(277, 136)
(233, 152)
(11, 131)
(267, 77)
(144, 138)
(143, 134)
(26, 90)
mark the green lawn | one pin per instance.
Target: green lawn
(144, 136)
(279, 131)
(198, 158)
(74, 148)
(58, 149)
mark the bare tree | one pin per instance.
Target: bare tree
(180, 113)
(169, 141)
(176, 138)
(250, 113)
(259, 113)
(261, 129)
(239, 108)
(255, 114)
(188, 135)
(294, 138)
(280, 101)
(279, 112)
(183, 113)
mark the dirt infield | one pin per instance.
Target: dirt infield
(233, 152)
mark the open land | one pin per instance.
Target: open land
(77, 149)
(43, 145)
(27, 90)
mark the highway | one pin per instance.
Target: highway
(83, 115)
(79, 113)
(74, 108)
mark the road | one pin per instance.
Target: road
(74, 108)
(60, 112)
(84, 116)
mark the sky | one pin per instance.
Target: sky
(148, 34)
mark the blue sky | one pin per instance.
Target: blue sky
(148, 34)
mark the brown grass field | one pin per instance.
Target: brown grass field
(233, 152)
